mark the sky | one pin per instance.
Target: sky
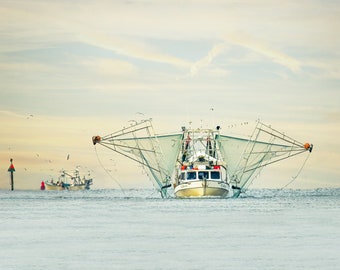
(73, 69)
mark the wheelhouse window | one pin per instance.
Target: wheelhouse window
(182, 176)
(215, 175)
(191, 175)
(203, 175)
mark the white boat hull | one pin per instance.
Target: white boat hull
(53, 187)
(202, 188)
(58, 187)
(80, 187)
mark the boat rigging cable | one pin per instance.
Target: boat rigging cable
(261, 151)
(298, 173)
(101, 164)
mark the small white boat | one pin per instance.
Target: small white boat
(67, 181)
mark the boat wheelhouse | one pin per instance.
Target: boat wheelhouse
(201, 181)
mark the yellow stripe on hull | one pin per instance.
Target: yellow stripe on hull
(82, 187)
(56, 187)
(53, 187)
(202, 189)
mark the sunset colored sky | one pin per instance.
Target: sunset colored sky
(73, 69)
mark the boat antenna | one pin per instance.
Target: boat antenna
(212, 115)
(101, 164)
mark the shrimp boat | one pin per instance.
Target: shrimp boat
(201, 163)
(68, 181)
(201, 171)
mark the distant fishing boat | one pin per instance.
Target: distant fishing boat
(68, 181)
(202, 162)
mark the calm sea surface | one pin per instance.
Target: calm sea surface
(109, 229)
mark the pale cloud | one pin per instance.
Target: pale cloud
(334, 116)
(204, 62)
(125, 27)
(109, 67)
(324, 66)
(131, 48)
(29, 67)
(31, 26)
(174, 20)
(265, 50)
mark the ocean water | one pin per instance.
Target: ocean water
(109, 229)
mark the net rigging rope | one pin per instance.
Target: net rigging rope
(298, 173)
(109, 174)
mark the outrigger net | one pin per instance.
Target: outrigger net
(158, 154)
(246, 157)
